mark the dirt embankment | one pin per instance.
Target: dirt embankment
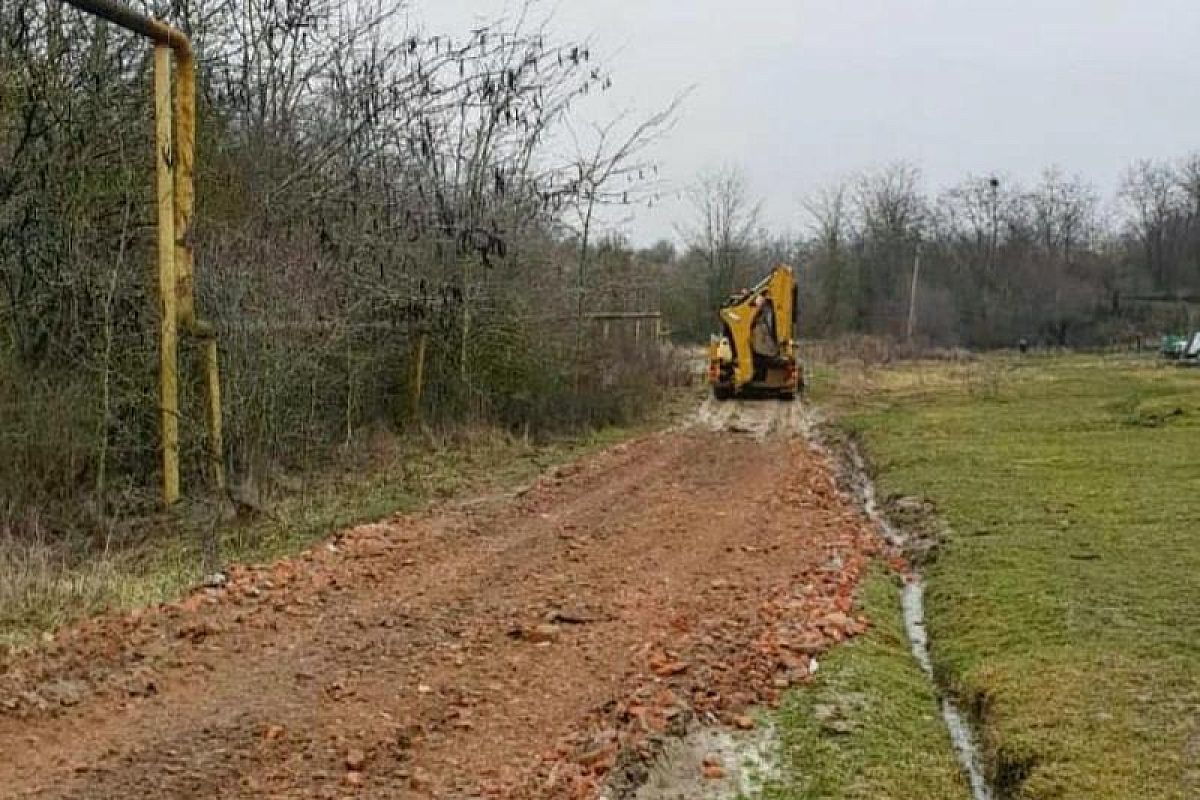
(516, 647)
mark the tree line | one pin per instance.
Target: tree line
(373, 196)
(997, 261)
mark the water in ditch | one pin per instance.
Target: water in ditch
(961, 734)
(966, 747)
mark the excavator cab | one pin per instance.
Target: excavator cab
(756, 351)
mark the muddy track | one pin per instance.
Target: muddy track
(517, 647)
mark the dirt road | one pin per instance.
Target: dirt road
(523, 646)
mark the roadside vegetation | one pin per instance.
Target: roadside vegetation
(868, 726)
(393, 245)
(1061, 600)
(46, 586)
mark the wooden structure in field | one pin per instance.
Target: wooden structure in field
(644, 325)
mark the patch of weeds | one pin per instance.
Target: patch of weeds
(984, 379)
(1155, 412)
(45, 585)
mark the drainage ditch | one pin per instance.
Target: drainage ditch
(966, 745)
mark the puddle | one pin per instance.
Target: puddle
(966, 747)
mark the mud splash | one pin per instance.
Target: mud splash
(747, 761)
(758, 419)
(966, 746)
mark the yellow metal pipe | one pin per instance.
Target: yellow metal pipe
(185, 192)
(126, 17)
(176, 227)
(168, 314)
(185, 208)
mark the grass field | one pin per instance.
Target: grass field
(868, 728)
(1064, 601)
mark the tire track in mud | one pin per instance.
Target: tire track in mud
(528, 646)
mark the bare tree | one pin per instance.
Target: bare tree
(828, 210)
(1153, 200)
(974, 212)
(889, 203)
(1064, 210)
(1189, 181)
(724, 219)
(891, 213)
(610, 170)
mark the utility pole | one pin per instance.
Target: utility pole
(912, 294)
(994, 183)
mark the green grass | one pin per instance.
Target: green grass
(1064, 603)
(868, 728)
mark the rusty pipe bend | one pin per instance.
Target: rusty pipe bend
(128, 18)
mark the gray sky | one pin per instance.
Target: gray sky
(801, 93)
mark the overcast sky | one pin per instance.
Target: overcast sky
(802, 92)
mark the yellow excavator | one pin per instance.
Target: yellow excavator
(756, 351)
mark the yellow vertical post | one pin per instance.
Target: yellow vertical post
(168, 314)
(212, 384)
(175, 193)
(418, 384)
(185, 212)
(185, 166)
